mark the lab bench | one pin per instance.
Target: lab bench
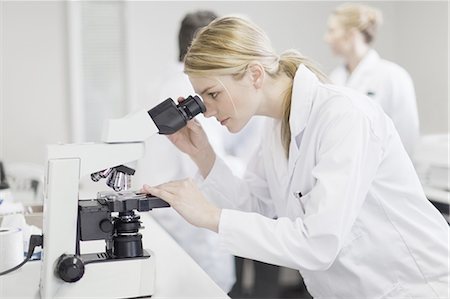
(177, 274)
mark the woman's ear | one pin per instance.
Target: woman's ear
(257, 73)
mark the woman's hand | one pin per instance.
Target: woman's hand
(185, 197)
(192, 140)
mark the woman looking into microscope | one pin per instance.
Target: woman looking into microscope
(331, 191)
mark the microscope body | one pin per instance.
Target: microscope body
(124, 269)
(111, 278)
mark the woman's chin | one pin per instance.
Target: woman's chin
(233, 128)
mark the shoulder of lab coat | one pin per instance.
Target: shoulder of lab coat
(341, 76)
(395, 93)
(348, 154)
(399, 103)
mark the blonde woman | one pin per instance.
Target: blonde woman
(331, 191)
(351, 31)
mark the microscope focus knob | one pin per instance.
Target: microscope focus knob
(70, 268)
(106, 226)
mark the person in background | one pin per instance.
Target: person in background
(163, 162)
(331, 191)
(351, 31)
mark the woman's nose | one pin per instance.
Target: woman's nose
(210, 110)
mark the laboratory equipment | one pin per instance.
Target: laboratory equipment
(124, 269)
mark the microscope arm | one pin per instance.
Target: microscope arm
(123, 138)
(165, 118)
(96, 156)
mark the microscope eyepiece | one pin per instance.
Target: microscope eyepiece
(169, 117)
(192, 106)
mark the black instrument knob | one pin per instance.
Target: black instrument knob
(106, 226)
(70, 268)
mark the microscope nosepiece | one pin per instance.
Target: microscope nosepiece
(117, 178)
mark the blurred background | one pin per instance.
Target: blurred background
(65, 67)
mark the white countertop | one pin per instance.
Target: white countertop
(177, 275)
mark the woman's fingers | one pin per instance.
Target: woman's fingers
(173, 137)
(194, 125)
(172, 189)
(161, 193)
(189, 202)
(177, 187)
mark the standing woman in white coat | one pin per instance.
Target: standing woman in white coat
(351, 31)
(331, 191)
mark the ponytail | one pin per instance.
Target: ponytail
(290, 61)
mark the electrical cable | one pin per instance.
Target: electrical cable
(35, 240)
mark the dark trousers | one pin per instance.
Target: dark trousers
(266, 283)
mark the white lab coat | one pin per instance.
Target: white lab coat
(350, 212)
(164, 162)
(391, 86)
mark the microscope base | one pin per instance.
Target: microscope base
(126, 278)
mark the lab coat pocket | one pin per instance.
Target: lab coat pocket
(293, 207)
(296, 204)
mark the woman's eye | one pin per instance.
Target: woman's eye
(213, 94)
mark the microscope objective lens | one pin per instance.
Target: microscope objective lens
(127, 182)
(111, 179)
(95, 176)
(106, 172)
(119, 181)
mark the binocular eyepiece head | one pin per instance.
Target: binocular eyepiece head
(169, 117)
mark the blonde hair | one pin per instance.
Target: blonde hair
(362, 17)
(229, 44)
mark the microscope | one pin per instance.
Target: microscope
(124, 269)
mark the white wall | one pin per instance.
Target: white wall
(414, 34)
(34, 90)
(34, 108)
(422, 36)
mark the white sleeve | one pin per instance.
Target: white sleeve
(250, 194)
(348, 157)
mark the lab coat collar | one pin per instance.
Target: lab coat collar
(369, 60)
(303, 92)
